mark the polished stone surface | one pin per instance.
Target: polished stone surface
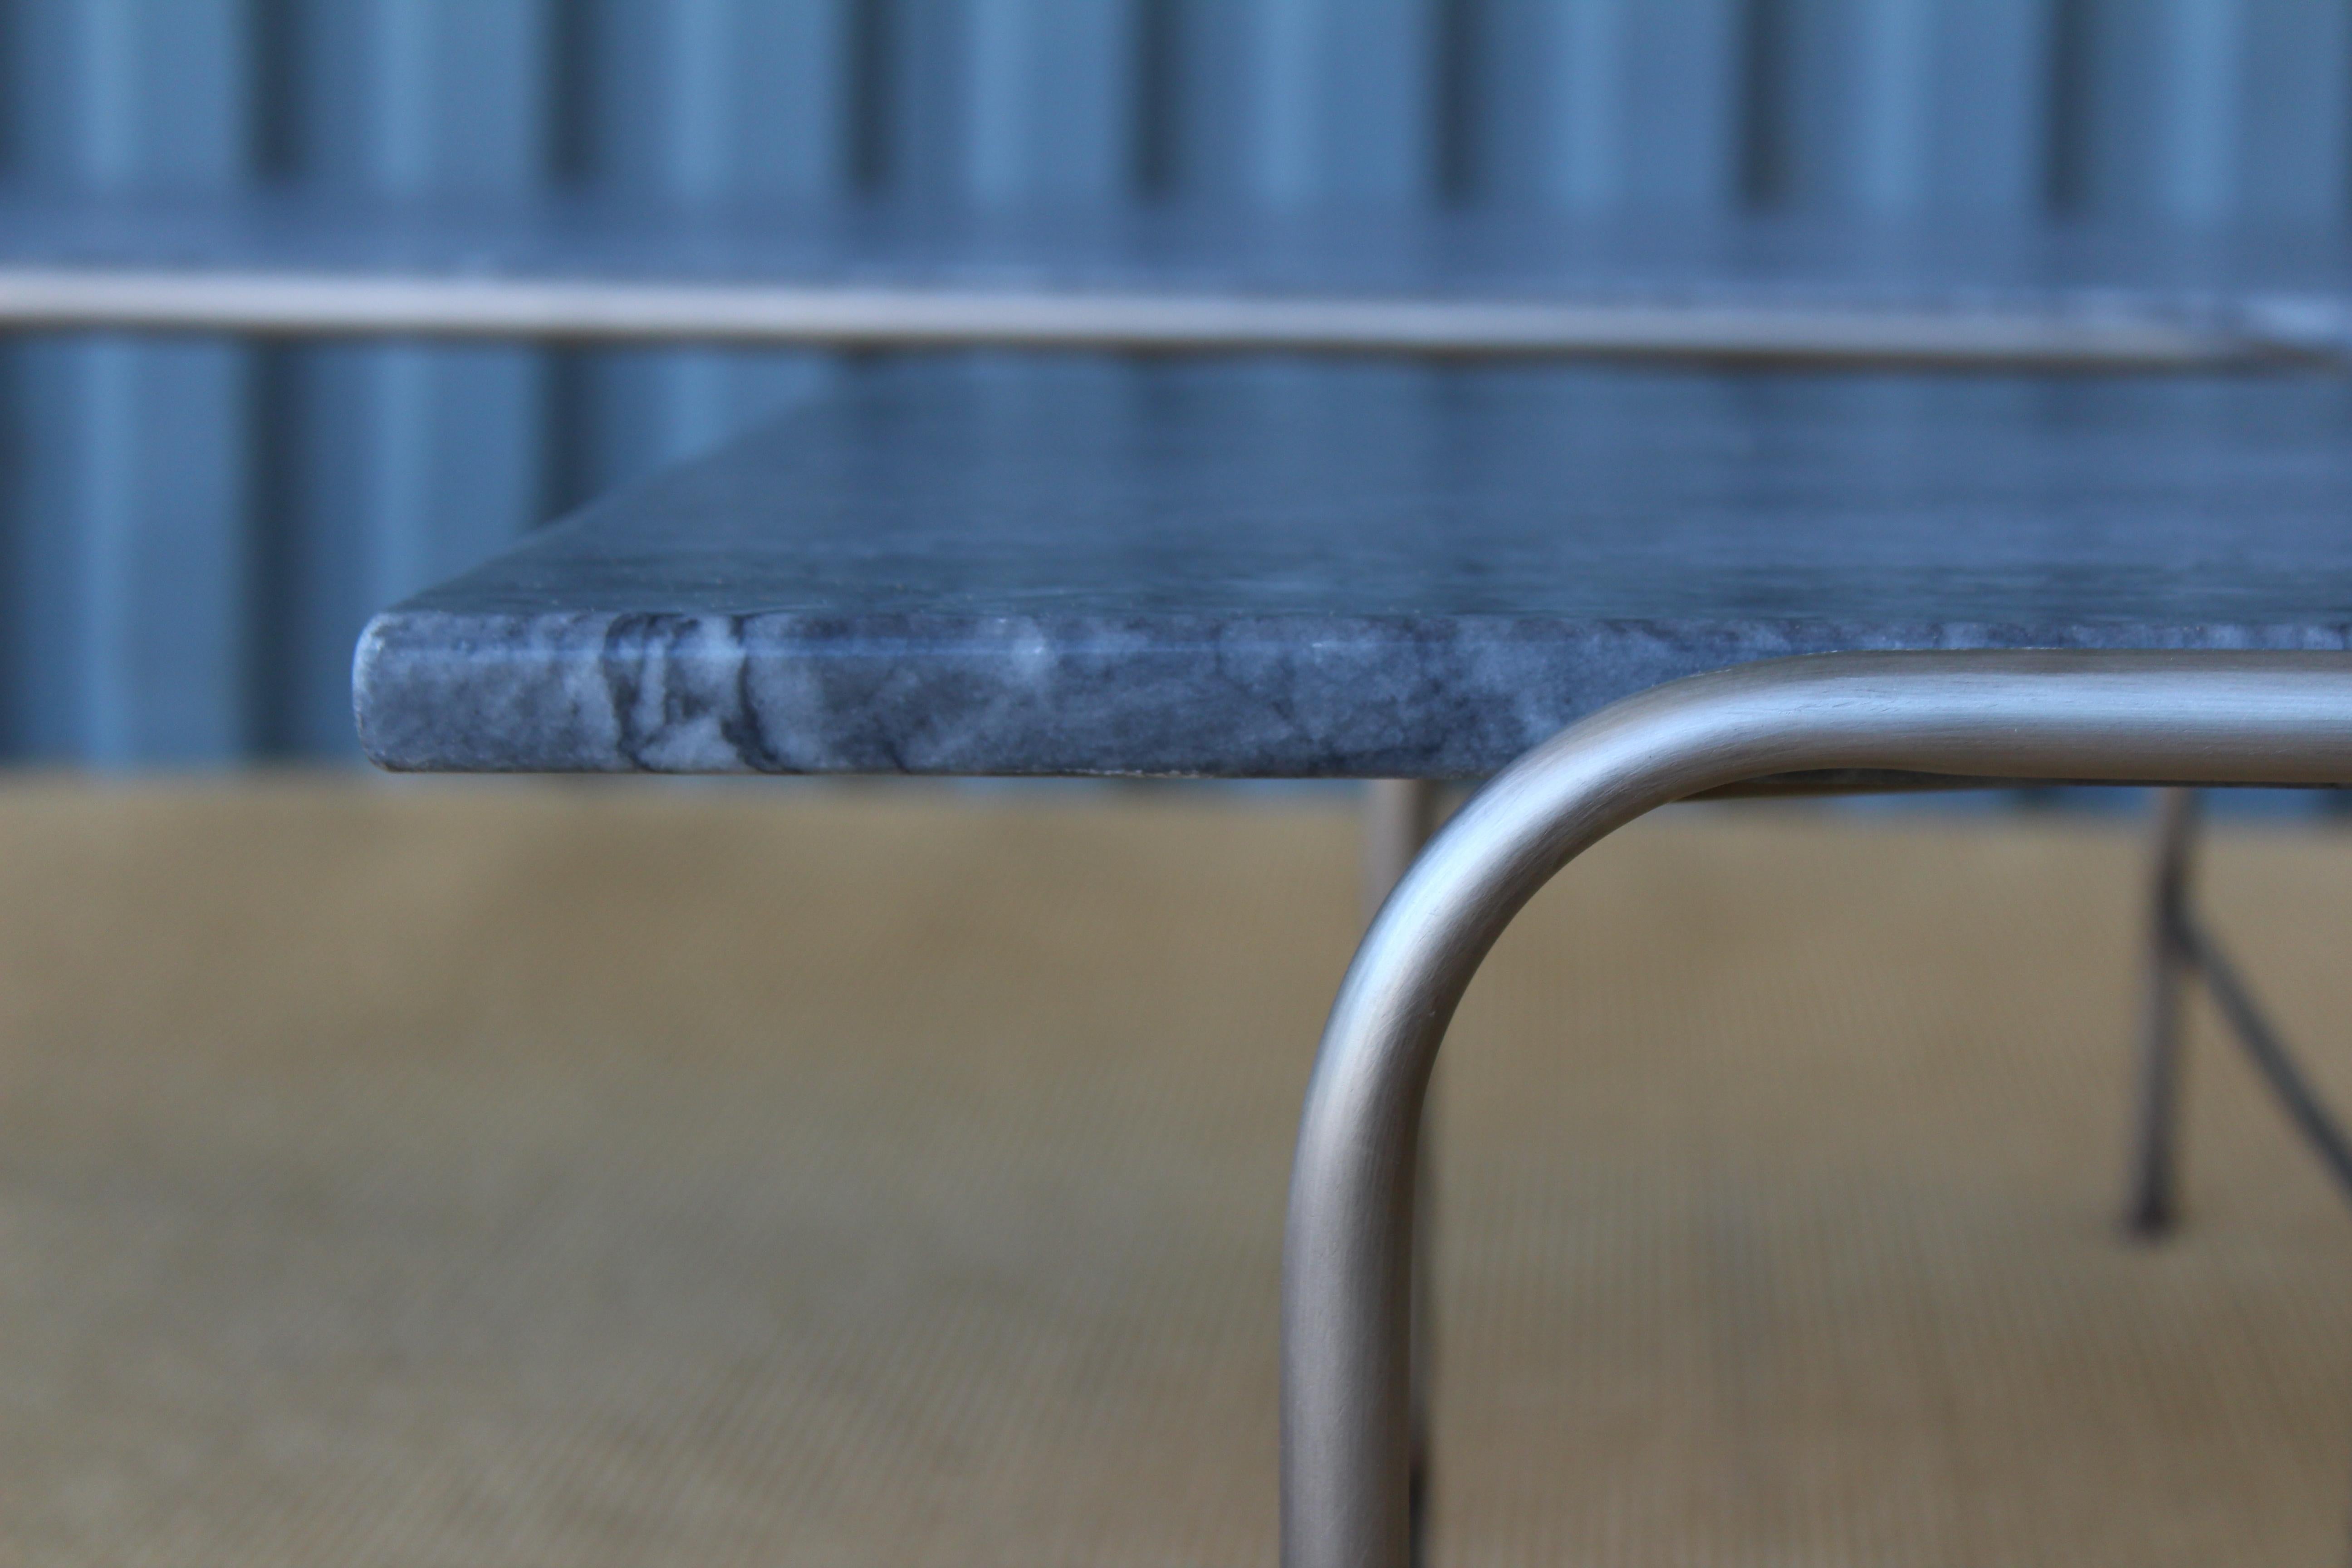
(1273, 568)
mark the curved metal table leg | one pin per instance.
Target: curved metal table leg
(1399, 816)
(2173, 718)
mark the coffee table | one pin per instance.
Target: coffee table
(1601, 589)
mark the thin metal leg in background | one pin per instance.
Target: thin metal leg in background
(2154, 1204)
(2179, 949)
(2270, 1058)
(1399, 816)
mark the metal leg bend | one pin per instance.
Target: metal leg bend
(2172, 717)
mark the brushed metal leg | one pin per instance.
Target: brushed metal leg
(1399, 816)
(1347, 1309)
(2154, 1204)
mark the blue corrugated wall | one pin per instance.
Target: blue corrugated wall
(195, 530)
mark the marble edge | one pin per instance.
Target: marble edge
(1218, 696)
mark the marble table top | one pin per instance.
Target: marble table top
(1282, 568)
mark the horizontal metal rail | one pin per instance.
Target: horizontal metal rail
(296, 303)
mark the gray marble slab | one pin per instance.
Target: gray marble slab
(991, 564)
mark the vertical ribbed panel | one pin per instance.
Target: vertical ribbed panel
(694, 102)
(195, 531)
(1048, 96)
(127, 463)
(1896, 108)
(1594, 107)
(2294, 111)
(2206, 110)
(1288, 104)
(402, 463)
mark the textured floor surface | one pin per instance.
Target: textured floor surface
(597, 1175)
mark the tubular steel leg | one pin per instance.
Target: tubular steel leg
(2153, 1206)
(1398, 815)
(1346, 1307)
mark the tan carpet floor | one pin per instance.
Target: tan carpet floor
(597, 1175)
